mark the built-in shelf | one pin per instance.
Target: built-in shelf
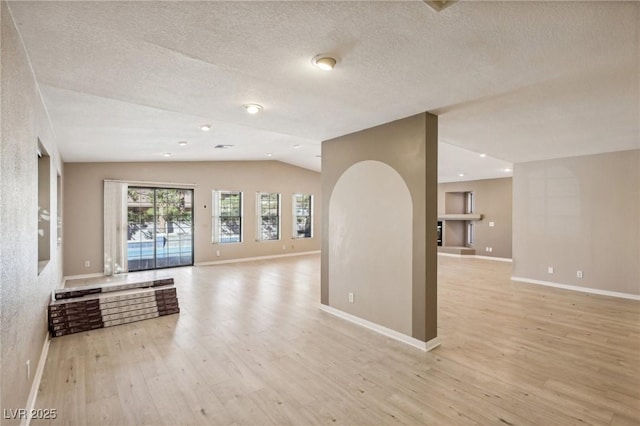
(457, 250)
(460, 216)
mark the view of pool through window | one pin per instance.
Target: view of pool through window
(160, 228)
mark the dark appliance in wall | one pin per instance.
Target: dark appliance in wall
(439, 233)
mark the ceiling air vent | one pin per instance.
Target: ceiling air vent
(223, 146)
(439, 5)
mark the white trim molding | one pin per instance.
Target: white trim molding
(35, 386)
(476, 256)
(424, 346)
(251, 259)
(578, 288)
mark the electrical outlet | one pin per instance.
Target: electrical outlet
(284, 247)
(490, 249)
(218, 253)
(579, 274)
(550, 269)
(87, 263)
(492, 224)
(28, 369)
(350, 297)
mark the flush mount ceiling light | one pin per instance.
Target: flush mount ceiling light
(253, 108)
(182, 143)
(166, 154)
(461, 174)
(324, 62)
(269, 155)
(507, 170)
(483, 155)
(205, 127)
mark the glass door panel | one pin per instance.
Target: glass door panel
(160, 228)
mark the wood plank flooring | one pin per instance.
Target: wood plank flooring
(250, 346)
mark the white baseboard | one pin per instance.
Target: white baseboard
(578, 288)
(424, 346)
(80, 277)
(35, 386)
(476, 256)
(251, 259)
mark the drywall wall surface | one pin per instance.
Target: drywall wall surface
(371, 207)
(579, 214)
(492, 199)
(24, 293)
(408, 146)
(83, 206)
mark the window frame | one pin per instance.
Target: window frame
(260, 216)
(216, 217)
(469, 202)
(295, 234)
(469, 234)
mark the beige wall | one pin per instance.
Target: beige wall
(83, 204)
(378, 216)
(24, 295)
(409, 146)
(493, 199)
(579, 213)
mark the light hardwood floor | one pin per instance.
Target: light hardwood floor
(251, 347)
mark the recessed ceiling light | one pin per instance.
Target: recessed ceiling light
(269, 154)
(483, 155)
(296, 146)
(205, 127)
(324, 62)
(182, 143)
(461, 174)
(507, 169)
(319, 156)
(222, 146)
(166, 154)
(253, 108)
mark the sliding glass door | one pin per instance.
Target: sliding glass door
(160, 228)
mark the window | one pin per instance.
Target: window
(268, 214)
(469, 202)
(302, 216)
(470, 233)
(227, 217)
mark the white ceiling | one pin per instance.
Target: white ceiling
(519, 81)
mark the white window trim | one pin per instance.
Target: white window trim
(259, 216)
(215, 216)
(294, 226)
(469, 202)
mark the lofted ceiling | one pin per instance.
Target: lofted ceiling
(519, 81)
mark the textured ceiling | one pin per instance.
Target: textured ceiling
(519, 81)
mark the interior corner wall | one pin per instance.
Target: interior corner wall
(579, 214)
(83, 206)
(493, 199)
(409, 147)
(24, 294)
